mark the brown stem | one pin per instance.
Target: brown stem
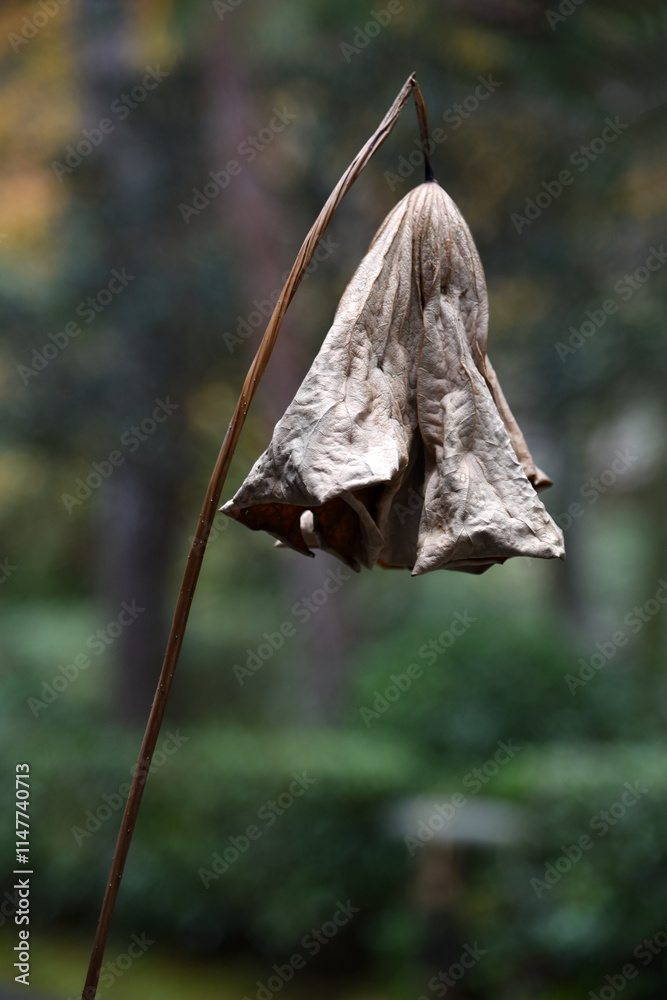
(422, 118)
(206, 517)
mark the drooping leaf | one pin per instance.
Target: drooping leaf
(399, 446)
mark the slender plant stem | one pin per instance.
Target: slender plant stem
(422, 118)
(207, 515)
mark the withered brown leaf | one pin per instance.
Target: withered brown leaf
(399, 446)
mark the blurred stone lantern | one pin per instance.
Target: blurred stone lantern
(440, 833)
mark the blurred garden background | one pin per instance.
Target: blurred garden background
(319, 822)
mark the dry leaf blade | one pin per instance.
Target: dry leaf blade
(399, 441)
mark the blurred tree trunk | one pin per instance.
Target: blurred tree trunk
(126, 192)
(251, 210)
(135, 534)
(653, 635)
